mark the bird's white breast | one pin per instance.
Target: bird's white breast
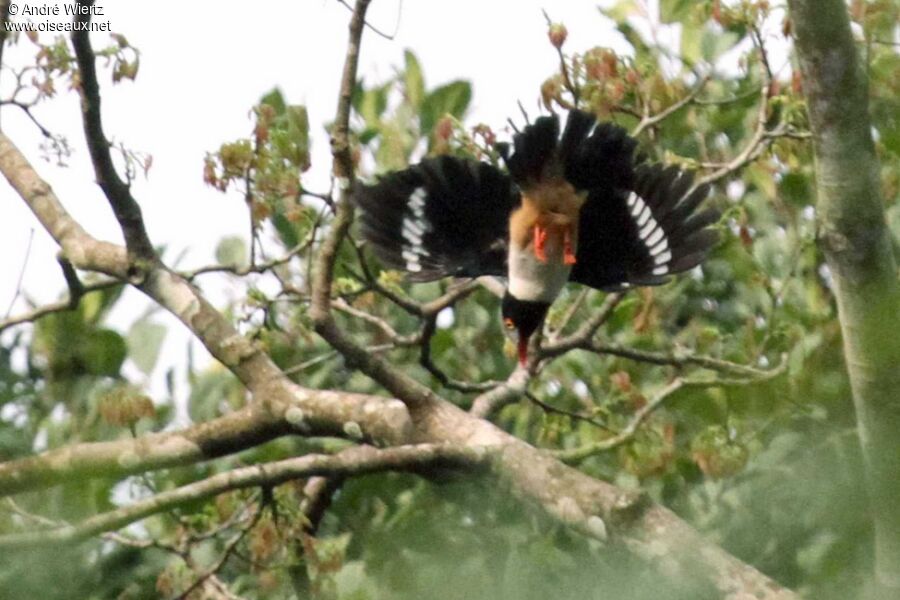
(533, 280)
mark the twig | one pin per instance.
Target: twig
(125, 207)
(652, 120)
(318, 493)
(760, 139)
(343, 166)
(428, 330)
(584, 333)
(56, 307)
(18, 293)
(26, 108)
(575, 455)
(381, 324)
(566, 413)
(375, 29)
(571, 310)
(227, 551)
(76, 288)
(679, 360)
(250, 268)
(570, 83)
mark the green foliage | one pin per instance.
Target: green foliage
(398, 113)
(267, 168)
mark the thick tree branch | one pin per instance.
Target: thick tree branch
(350, 462)
(857, 246)
(125, 207)
(377, 419)
(397, 382)
(343, 167)
(78, 246)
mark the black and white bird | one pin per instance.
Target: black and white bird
(579, 207)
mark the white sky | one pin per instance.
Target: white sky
(205, 63)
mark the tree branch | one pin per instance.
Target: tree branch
(56, 307)
(350, 462)
(376, 419)
(78, 247)
(648, 121)
(858, 249)
(126, 209)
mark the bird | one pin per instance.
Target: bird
(578, 205)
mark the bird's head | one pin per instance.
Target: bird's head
(521, 318)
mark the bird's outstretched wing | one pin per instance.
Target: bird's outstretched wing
(640, 223)
(445, 216)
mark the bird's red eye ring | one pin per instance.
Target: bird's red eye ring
(508, 323)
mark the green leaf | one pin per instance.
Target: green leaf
(103, 352)
(298, 131)
(691, 44)
(231, 252)
(95, 305)
(715, 43)
(275, 99)
(373, 103)
(673, 11)
(452, 98)
(796, 189)
(145, 340)
(620, 11)
(288, 231)
(368, 134)
(413, 79)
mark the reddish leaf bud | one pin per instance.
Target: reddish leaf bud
(444, 128)
(557, 34)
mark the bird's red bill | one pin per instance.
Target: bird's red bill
(523, 351)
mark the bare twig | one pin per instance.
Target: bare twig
(653, 120)
(571, 310)
(679, 360)
(250, 268)
(56, 307)
(570, 83)
(761, 138)
(227, 552)
(428, 330)
(343, 166)
(18, 293)
(566, 413)
(575, 455)
(374, 29)
(126, 209)
(584, 333)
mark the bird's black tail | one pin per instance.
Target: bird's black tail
(588, 155)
